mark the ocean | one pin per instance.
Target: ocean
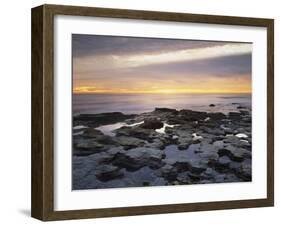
(139, 103)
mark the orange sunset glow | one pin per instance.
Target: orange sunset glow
(108, 65)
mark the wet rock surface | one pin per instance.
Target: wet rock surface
(95, 120)
(152, 123)
(162, 147)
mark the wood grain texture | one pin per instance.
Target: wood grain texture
(37, 158)
(270, 111)
(42, 113)
(43, 107)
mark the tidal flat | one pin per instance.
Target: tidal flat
(163, 147)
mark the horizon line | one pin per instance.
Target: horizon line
(164, 93)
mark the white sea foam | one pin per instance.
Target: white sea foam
(196, 137)
(80, 127)
(109, 129)
(162, 130)
(241, 135)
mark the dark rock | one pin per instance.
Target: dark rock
(88, 147)
(227, 130)
(157, 143)
(98, 136)
(234, 115)
(182, 131)
(169, 172)
(184, 164)
(105, 156)
(209, 152)
(96, 120)
(234, 166)
(240, 130)
(194, 177)
(92, 133)
(175, 121)
(196, 141)
(219, 144)
(165, 110)
(108, 172)
(230, 177)
(184, 178)
(152, 123)
(209, 123)
(175, 183)
(137, 158)
(244, 171)
(129, 142)
(216, 115)
(160, 181)
(244, 112)
(205, 181)
(212, 105)
(209, 173)
(235, 154)
(199, 166)
(107, 140)
(247, 119)
(184, 142)
(145, 183)
(171, 131)
(206, 139)
(215, 131)
(223, 163)
(189, 115)
(245, 144)
(220, 178)
(137, 132)
(234, 140)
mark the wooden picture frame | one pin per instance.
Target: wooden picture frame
(43, 107)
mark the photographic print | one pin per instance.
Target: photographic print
(157, 112)
(144, 112)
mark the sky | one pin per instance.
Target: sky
(114, 64)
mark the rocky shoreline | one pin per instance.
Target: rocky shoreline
(162, 147)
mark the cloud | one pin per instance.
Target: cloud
(182, 55)
(96, 45)
(122, 64)
(217, 67)
(116, 62)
